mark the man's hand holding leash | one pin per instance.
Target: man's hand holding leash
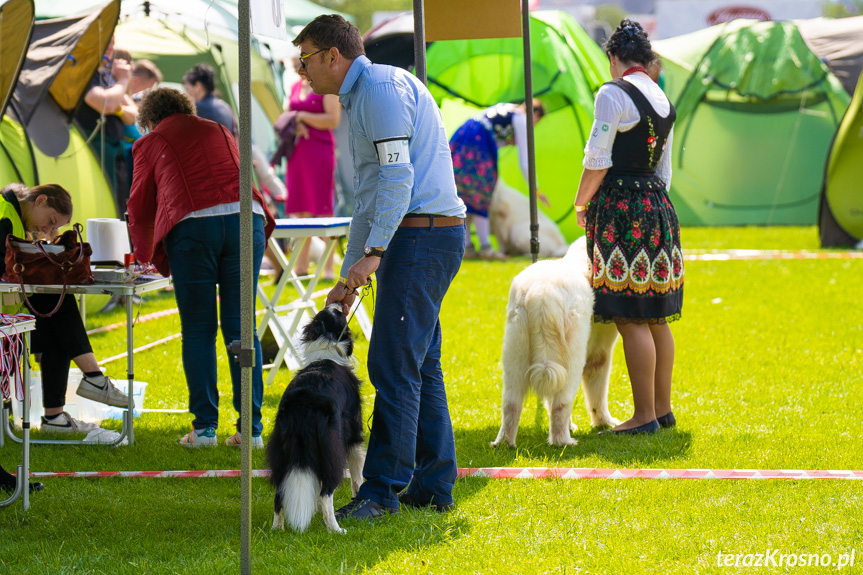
(345, 292)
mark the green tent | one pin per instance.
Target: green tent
(568, 68)
(37, 132)
(176, 48)
(756, 111)
(843, 179)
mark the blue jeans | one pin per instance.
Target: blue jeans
(204, 253)
(411, 431)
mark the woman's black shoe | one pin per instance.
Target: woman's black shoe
(651, 427)
(667, 420)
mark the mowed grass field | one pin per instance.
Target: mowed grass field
(767, 375)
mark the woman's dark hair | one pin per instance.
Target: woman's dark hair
(332, 31)
(629, 43)
(202, 73)
(161, 103)
(58, 198)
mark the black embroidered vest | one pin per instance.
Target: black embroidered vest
(636, 153)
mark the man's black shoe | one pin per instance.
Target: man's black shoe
(364, 509)
(412, 500)
(34, 487)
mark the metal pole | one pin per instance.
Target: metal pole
(419, 41)
(531, 160)
(25, 425)
(247, 295)
(130, 367)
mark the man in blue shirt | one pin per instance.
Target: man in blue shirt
(200, 82)
(407, 229)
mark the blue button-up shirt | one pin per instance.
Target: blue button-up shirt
(385, 104)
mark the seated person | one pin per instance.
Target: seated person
(61, 338)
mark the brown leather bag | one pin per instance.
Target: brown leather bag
(41, 263)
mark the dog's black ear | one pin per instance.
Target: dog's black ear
(313, 330)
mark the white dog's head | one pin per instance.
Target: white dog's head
(577, 255)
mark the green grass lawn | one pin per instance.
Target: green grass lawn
(769, 357)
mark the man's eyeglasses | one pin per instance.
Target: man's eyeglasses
(303, 58)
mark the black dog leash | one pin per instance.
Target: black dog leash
(365, 291)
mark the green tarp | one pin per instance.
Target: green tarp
(568, 68)
(756, 111)
(843, 178)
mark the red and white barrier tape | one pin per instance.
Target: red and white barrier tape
(740, 255)
(516, 473)
(625, 473)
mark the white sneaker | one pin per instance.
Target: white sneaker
(101, 389)
(199, 438)
(65, 423)
(236, 440)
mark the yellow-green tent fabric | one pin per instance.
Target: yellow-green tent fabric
(16, 26)
(841, 221)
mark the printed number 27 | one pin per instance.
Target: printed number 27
(392, 158)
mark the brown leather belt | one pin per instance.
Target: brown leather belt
(430, 221)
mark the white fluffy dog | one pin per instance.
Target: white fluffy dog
(550, 344)
(509, 220)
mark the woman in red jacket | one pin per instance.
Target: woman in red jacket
(184, 216)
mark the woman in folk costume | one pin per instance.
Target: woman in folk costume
(633, 235)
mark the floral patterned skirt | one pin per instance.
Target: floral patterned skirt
(634, 237)
(474, 162)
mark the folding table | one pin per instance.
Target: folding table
(141, 285)
(22, 489)
(285, 320)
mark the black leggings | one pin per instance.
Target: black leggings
(58, 338)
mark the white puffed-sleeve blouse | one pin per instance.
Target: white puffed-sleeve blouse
(616, 109)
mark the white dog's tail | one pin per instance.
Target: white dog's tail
(300, 492)
(549, 323)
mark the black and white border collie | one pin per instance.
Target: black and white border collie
(318, 426)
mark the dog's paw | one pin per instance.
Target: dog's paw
(565, 442)
(279, 522)
(605, 421)
(499, 442)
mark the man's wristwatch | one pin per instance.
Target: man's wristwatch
(369, 251)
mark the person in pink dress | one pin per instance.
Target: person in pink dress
(310, 177)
